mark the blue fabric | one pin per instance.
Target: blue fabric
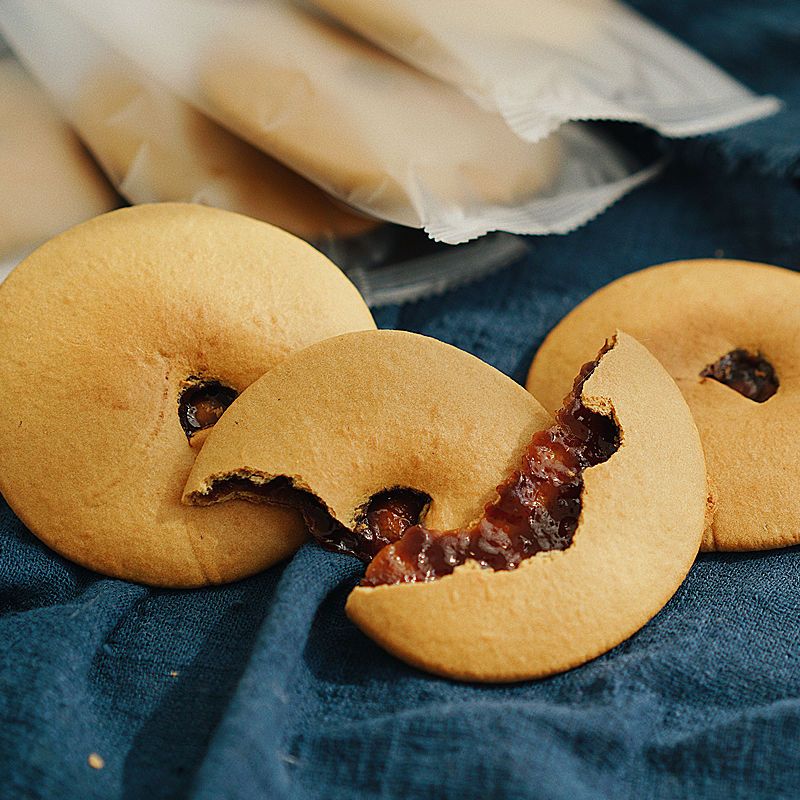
(757, 41)
(263, 689)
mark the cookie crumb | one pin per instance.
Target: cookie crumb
(174, 673)
(96, 761)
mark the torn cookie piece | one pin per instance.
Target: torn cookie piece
(595, 523)
(641, 519)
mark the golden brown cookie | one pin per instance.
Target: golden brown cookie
(394, 411)
(739, 321)
(119, 341)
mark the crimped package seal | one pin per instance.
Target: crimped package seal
(542, 63)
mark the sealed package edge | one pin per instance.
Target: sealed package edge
(546, 62)
(374, 132)
(152, 145)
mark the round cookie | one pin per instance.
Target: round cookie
(691, 314)
(119, 340)
(413, 412)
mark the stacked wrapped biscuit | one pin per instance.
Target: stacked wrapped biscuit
(188, 394)
(330, 118)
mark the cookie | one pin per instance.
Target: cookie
(41, 158)
(501, 545)
(156, 147)
(729, 333)
(121, 341)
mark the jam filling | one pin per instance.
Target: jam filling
(537, 507)
(387, 516)
(750, 375)
(202, 404)
(394, 511)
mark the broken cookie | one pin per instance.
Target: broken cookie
(729, 334)
(501, 545)
(348, 418)
(122, 342)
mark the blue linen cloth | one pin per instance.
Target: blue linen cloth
(263, 689)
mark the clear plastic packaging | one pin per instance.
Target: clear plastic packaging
(48, 182)
(370, 130)
(155, 147)
(540, 63)
(427, 269)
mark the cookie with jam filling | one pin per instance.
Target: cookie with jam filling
(729, 334)
(501, 544)
(122, 342)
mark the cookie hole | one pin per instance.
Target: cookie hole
(202, 403)
(386, 518)
(381, 521)
(749, 374)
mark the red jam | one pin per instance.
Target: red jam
(202, 404)
(537, 507)
(750, 375)
(387, 517)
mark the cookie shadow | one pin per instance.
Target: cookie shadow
(337, 653)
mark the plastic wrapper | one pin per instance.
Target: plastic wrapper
(427, 268)
(543, 62)
(48, 181)
(156, 147)
(378, 134)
